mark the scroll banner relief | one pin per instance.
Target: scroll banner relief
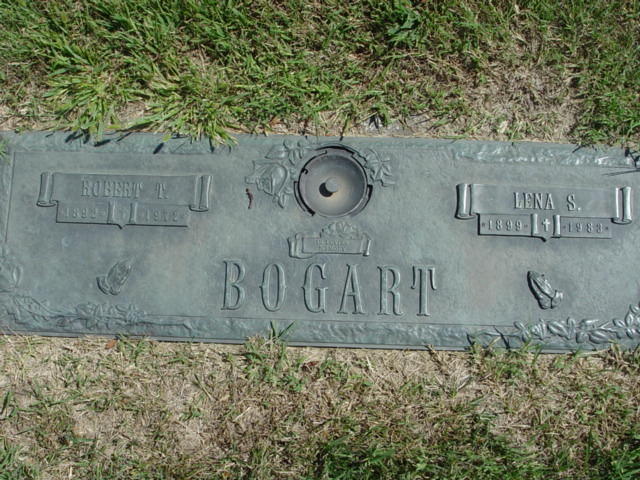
(545, 213)
(124, 199)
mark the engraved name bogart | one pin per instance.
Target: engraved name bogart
(124, 199)
(316, 290)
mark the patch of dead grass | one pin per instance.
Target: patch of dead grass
(148, 401)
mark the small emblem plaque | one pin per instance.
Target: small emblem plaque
(336, 238)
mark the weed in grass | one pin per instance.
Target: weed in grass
(511, 366)
(413, 389)
(622, 463)
(8, 408)
(622, 360)
(331, 368)
(468, 451)
(269, 361)
(11, 467)
(192, 412)
(133, 349)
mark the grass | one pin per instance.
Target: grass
(98, 409)
(538, 70)
(530, 70)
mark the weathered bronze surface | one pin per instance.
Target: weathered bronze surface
(355, 242)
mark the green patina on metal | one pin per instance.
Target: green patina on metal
(381, 242)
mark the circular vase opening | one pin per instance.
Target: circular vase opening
(333, 183)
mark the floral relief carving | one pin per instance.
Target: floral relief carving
(378, 168)
(568, 333)
(342, 229)
(28, 311)
(276, 173)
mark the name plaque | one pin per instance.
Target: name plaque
(124, 199)
(549, 212)
(371, 242)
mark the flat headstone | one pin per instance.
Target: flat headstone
(375, 242)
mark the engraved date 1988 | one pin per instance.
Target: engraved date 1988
(585, 227)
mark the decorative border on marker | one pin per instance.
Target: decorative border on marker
(22, 313)
(533, 153)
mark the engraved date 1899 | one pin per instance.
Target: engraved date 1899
(81, 213)
(507, 225)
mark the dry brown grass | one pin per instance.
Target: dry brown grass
(81, 408)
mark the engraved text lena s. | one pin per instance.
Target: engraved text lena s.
(533, 201)
(541, 201)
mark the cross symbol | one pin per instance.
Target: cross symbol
(546, 224)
